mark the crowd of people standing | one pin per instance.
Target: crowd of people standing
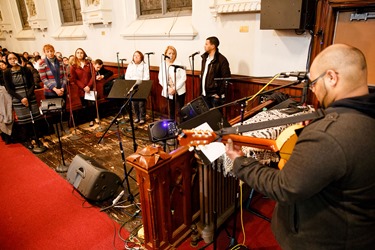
(51, 71)
(22, 74)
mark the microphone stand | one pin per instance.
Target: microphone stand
(118, 66)
(237, 202)
(62, 168)
(152, 104)
(304, 93)
(126, 173)
(175, 94)
(135, 145)
(75, 136)
(192, 74)
(93, 76)
(39, 148)
(166, 85)
(226, 83)
(122, 77)
(122, 66)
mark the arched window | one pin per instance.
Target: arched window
(164, 7)
(23, 14)
(70, 12)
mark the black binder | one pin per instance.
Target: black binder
(52, 105)
(121, 87)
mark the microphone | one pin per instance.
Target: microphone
(178, 66)
(88, 58)
(194, 54)
(165, 56)
(135, 86)
(149, 53)
(22, 69)
(298, 74)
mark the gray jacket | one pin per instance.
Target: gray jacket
(326, 191)
(6, 114)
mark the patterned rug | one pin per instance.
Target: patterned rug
(106, 152)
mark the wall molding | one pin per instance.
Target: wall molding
(97, 12)
(179, 28)
(234, 6)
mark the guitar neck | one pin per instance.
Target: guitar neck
(254, 142)
(195, 138)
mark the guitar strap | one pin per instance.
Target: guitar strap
(272, 123)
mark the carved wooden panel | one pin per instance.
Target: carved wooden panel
(167, 192)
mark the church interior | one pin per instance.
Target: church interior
(142, 182)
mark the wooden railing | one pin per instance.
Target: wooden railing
(238, 88)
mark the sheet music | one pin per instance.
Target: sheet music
(213, 150)
(204, 126)
(90, 96)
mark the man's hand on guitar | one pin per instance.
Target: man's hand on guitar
(233, 151)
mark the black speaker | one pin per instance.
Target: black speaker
(213, 118)
(91, 180)
(192, 109)
(287, 14)
(162, 130)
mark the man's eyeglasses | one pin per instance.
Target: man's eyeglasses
(312, 83)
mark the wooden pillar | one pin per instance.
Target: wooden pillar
(165, 183)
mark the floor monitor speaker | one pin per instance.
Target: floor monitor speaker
(91, 180)
(162, 130)
(192, 109)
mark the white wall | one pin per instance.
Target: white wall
(256, 52)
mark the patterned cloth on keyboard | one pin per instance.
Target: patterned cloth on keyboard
(263, 156)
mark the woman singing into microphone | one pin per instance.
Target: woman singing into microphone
(173, 82)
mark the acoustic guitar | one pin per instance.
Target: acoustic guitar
(284, 144)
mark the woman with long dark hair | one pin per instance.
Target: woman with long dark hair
(81, 73)
(19, 83)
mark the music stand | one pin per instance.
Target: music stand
(121, 89)
(128, 98)
(51, 107)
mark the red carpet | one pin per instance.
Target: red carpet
(38, 209)
(258, 235)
